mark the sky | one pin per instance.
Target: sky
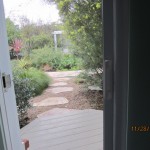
(34, 10)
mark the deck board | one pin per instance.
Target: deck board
(77, 130)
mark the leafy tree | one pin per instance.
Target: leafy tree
(14, 38)
(13, 31)
(37, 35)
(83, 23)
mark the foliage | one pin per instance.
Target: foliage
(16, 47)
(39, 80)
(56, 59)
(17, 44)
(37, 36)
(14, 39)
(41, 40)
(69, 61)
(83, 23)
(13, 31)
(32, 36)
(24, 91)
(90, 78)
(24, 63)
(46, 55)
(28, 82)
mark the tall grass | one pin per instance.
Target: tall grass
(28, 82)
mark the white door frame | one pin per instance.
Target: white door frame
(8, 110)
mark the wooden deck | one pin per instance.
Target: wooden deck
(74, 130)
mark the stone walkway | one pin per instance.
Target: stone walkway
(59, 86)
(64, 74)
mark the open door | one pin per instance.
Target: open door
(9, 125)
(127, 75)
(116, 24)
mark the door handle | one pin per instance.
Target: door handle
(6, 80)
(108, 82)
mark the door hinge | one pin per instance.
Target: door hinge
(6, 80)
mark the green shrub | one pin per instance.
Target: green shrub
(23, 63)
(41, 57)
(56, 59)
(24, 91)
(68, 62)
(28, 82)
(39, 80)
(89, 77)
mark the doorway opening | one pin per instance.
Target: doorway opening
(57, 69)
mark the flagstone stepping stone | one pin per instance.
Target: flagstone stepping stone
(62, 79)
(59, 84)
(64, 74)
(52, 101)
(61, 89)
(94, 88)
